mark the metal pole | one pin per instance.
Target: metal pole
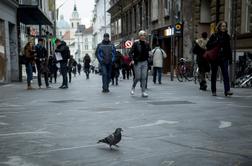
(172, 41)
(233, 41)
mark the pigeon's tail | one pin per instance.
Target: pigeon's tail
(101, 140)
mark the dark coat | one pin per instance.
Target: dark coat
(64, 50)
(140, 51)
(222, 39)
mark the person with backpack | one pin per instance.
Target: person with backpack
(158, 55)
(62, 54)
(86, 61)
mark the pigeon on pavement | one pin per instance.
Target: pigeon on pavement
(113, 139)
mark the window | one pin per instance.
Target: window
(86, 47)
(205, 13)
(167, 8)
(72, 25)
(248, 21)
(154, 10)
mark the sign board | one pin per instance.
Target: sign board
(178, 28)
(128, 44)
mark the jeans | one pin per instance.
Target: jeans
(29, 73)
(63, 70)
(106, 75)
(140, 70)
(224, 69)
(157, 71)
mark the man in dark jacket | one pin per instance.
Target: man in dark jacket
(63, 55)
(41, 57)
(105, 53)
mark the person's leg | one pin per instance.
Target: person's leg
(144, 70)
(46, 79)
(104, 77)
(159, 71)
(29, 74)
(214, 68)
(70, 75)
(154, 74)
(39, 74)
(137, 74)
(224, 70)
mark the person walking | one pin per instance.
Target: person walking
(126, 68)
(71, 65)
(199, 49)
(221, 38)
(79, 68)
(29, 60)
(52, 69)
(139, 54)
(41, 58)
(86, 61)
(62, 54)
(158, 56)
(105, 53)
(116, 66)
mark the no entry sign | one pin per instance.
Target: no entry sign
(128, 44)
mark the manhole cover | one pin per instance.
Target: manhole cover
(66, 101)
(170, 102)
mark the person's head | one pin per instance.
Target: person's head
(204, 35)
(222, 26)
(41, 41)
(58, 42)
(106, 36)
(142, 35)
(28, 45)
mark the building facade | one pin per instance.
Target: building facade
(128, 17)
(8, 41)
(101, 21)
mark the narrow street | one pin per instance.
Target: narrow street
(177, 125)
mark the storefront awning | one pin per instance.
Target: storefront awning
(32, 15)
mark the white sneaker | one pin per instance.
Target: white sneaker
(144, 94)
(132, 92)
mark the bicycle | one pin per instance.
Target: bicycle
(184, 70)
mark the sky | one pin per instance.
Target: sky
(84, 7)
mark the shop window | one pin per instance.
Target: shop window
(167, 8)
(205, 13)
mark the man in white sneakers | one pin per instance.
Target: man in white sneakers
(158, 56)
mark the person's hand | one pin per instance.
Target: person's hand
(132, 63)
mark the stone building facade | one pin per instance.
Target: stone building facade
(8, 41)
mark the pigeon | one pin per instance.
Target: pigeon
(113, 139)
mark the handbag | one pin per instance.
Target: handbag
(212, 54)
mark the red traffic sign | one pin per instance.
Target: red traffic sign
(128, 44)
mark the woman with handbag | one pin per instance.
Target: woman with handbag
(29, 60)
(221, 39)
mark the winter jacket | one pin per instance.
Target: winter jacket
(139, 51)
(105, 52)
(41, 52)
(64, 50)
(158, 56)
(222, 39)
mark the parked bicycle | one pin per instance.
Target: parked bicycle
(184, 70)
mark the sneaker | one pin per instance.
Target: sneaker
(132, 92)
(228, 93)
(144, 94)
